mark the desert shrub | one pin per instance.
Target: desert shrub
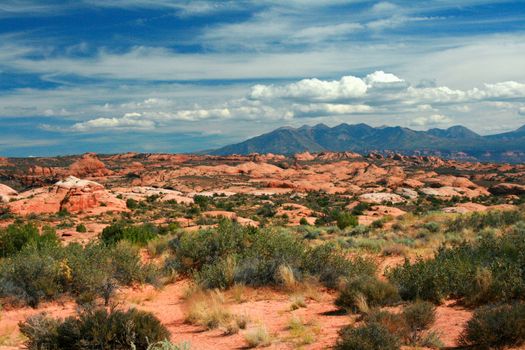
(267, 211)
(418, 317)
(231, 253)
(484, 271)
(375, 292)
(81, 228)
(136, 234)
(47, 271)
(17, 236)
(32, 275)
(218, 275)
(431, 226)
(194, 250)
(331, 265)
(411, 326)
(132, 203)
(345, 219)
(371, 336)
(480, 220)
(97, 329)
(267, 252)
(496, 327)
(303, 222)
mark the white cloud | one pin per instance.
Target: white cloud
(380, 78)
(313, 89)
(432, 120)
(130, 121)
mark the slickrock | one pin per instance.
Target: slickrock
(89, 165)
(381, 197)
(71, 194)
(7, 193)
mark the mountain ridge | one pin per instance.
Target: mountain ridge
(454, 142)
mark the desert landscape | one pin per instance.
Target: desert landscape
(266, 250)
(262, 174)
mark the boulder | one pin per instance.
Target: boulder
(381, 197)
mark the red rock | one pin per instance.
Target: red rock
(71, 194)
(89, 165)
(305, 156)
(6, 193)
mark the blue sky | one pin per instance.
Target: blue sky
(180, 76)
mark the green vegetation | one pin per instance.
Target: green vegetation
(17, 236)
(95, 329)
(136, 234)
(371, 336)
(232, 253)
(489, 269)
(496, 327)
(47, 271)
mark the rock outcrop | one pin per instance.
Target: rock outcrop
(7, 193)
(72, 194)
(89, 165)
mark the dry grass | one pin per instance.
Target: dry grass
(238, 293)
(287, 278)
(258, 336)
(302, 333)
(208, 310)
(298, 302)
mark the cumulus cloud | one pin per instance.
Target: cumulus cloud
(130, 121)
(432, 120)
(378, 96)
(348, 87)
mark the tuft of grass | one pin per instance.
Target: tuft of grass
(208, 310)
(258, 336)
(298, 302)
(301, 332)
(287, 278)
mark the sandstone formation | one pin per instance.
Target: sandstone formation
(72, 194)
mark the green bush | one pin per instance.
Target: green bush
(136, 234)
(97, 329)
(371, 336)
(132, 203)
(496, 327)
(418, 317)
(17, 236)
(303, 222)
(81, 228)
(331, 266)
(431, 226)
(487, 270)
(31, 276)
(47, 271)
(480, 220)
(375, 291)
(233, 253)
(345, 219)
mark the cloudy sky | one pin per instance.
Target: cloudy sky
(180, 76)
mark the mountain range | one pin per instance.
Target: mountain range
(456, 142)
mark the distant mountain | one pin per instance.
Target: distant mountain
(454, 142)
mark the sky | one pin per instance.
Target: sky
(112, 76)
